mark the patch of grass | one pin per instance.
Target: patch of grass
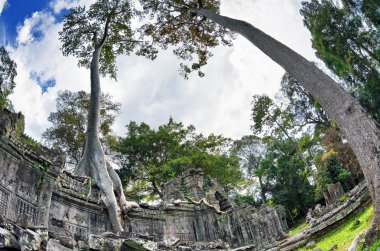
(343, 198)
(344, 235)
(375, 246)
(297, 229)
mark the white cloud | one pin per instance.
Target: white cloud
(153, 91)
(2, 5)
(34, 27)
(58, 5)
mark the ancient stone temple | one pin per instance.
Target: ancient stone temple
(36, 193)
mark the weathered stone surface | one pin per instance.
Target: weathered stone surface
(7, 239)
(184, 248)
(29, 240)
(42, 232)
(65, 236)
(333, 193)
(103, 243)
(192, 223)
(35, 191)
(141, 244)
(310, 244)
(309, 216)
(24, 221)
(55, 245)
(170, 241)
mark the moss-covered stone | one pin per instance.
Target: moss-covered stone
(131, 245)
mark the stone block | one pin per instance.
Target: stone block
(29, 240)
(24, 221)
(103, 243)
(65, 237)
(55, 245)
(8, 240)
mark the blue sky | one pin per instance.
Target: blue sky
(151, 92)
(14, 14)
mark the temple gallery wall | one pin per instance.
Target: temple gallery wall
(34, 186)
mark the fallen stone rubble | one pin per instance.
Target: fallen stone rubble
(13, 237)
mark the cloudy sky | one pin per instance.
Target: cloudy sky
(151, 91)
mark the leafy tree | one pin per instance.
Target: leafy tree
(302, 105)
(151, 157)
(329, 171)
(7, 75)
(68, 133)
(333, 142)
(96, 36)
(361, 130)
(271, 119)
(251, 150)
(287, 177)
(348, 45)
(326, 134)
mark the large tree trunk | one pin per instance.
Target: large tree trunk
(93, 162)
(262, 190)
(361, 130)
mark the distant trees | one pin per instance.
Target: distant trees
(68, 133)
(150, 157)
(251, 150)
(7, 75)
(287, 177)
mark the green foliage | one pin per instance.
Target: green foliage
(297, 229)
(104, 25)
(329, 171)
(151, 157)
(251, 150)
(370, 9)
(286, 176)
(242, 199)
(173, 24)
(7, 75)
(348, 41)
(375, 246)
(305, 109)
(29, 142)
(269, 118)
(68, 133)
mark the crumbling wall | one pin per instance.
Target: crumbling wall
(34, 186)
(238, 226)
(26, 184)
(76, 206)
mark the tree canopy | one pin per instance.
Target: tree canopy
(68, 133)
(150, 157)
(348, 42)
(7, 75)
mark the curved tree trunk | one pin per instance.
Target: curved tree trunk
(361, 130)
(93, 162)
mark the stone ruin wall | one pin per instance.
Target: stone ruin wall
(239, 226)
(33, 184)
